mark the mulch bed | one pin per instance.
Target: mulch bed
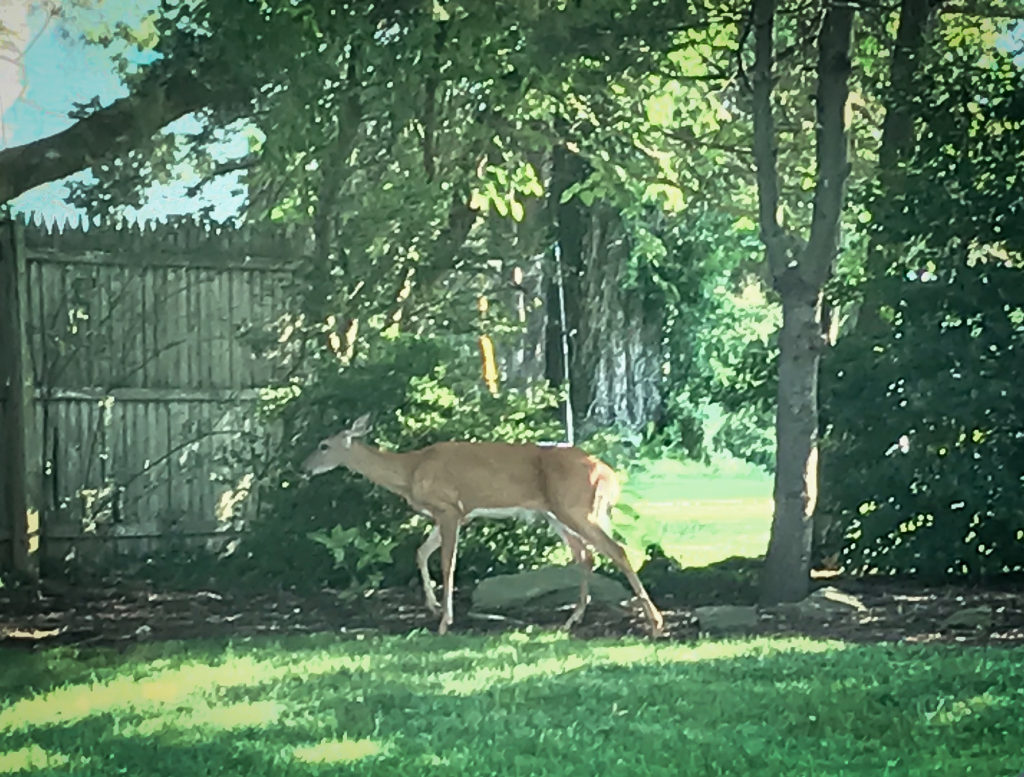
(125, 613)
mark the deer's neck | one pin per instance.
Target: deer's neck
(393, 471)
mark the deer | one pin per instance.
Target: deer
(453, 482)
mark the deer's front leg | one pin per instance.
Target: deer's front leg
(449, 530)
(430, 544)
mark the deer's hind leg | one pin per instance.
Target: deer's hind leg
(603, 543)
(594, 529)
(448, 527)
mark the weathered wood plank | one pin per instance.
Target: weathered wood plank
(35, 320)
(55, 324)
(243, 322)
(134, 307)
(20, 447)
(132, 394)
(146, 375)
(225, 342)
(260, 311)
(103, 347)
(178, 466)
(162, 375)
(149, 258)
(210, 330)
(155, 495)
(234, 352)
(132, 480)
(164, 455)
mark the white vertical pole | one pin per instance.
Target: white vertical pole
(570, 430)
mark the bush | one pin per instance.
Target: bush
(922, 466)
(338, 529)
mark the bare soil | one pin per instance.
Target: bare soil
(123, 613)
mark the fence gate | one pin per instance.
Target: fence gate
(132, 361)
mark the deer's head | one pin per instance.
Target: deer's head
(333, 451)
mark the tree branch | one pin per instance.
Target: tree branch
(832, 143)
(247, 162)
(985, 9)
(122, 125)
(773, 235)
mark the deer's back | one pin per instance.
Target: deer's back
(499, 475)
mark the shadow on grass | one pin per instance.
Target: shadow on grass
(521, 704)
(730, 581)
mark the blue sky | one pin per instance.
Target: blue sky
(60, 71)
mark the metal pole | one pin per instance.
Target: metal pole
(570, 430)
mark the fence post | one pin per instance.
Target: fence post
(20, 446)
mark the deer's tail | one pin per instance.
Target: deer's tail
(606, 496)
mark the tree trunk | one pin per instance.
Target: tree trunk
(529, 278)
(615, 354)
(799, 272)
(788, 562)
(618, 358)
(917, 18)
(570, 229)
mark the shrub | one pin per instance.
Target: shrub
(923, 460)
(341, 531)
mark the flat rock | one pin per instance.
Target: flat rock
(726, 617)
(825, 604)
(544, 587)
(969, 618)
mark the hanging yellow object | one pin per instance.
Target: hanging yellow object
(490, 367)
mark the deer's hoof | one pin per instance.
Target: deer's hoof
(658, 628)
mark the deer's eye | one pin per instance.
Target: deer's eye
(324, 446)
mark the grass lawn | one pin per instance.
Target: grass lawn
(698, 514)
(517, 704)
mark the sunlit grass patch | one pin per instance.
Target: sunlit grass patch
(181, 720)
(30, 759)
(699, 515)
(337, 751)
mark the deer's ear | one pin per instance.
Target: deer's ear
(361, 426)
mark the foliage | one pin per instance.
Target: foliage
(721, 325)
(519, 703)
(931, 418)
(413, 141)
(925, 410)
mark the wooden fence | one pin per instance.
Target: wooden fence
(131, 363)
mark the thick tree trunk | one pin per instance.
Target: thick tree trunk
(917, 19)
(796, 471)
(618, 359)
(615, 355)
(570, 229)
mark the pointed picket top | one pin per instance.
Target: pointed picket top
(180, 238)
